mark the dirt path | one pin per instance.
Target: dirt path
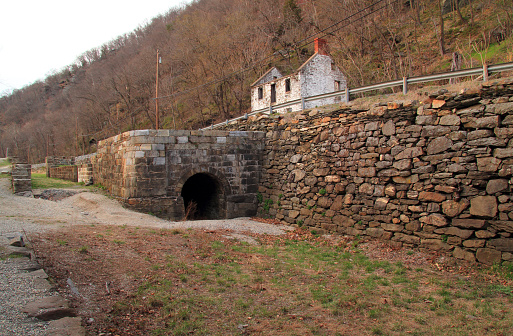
(75, 215)
(86, 208)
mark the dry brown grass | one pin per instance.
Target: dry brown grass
(172, 282)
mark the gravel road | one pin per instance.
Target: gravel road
(31, 215)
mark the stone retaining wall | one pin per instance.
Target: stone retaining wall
(436, 175)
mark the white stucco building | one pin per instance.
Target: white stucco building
(316, 76)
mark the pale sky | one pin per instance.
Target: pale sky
(38, 37)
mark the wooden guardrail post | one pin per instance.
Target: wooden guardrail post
(405, 85)
(302, 103)
(347, 94)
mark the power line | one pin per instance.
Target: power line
(344, 19)
(349, 23)
(254, 65)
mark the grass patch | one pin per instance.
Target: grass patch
(61, 242)
(300, 276)
(203, 284)
(40, 181)
(4, 163)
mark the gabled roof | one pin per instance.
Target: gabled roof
(309, 60)
(257, 82)
(265, 74)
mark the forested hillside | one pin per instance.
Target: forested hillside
(212, 50)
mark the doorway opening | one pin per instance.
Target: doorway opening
(203, 197)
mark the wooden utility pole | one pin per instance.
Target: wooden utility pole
(76, 133)
(157, 93)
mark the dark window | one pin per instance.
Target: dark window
(337, 85)
(260, 93)
(273, 93)
(287, 85)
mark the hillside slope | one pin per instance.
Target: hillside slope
(212, 50)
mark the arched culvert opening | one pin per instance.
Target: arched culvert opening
(203, 197)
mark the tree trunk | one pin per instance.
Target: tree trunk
(441, 36)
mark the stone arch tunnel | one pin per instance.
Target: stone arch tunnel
(178, 174)
(204, 197)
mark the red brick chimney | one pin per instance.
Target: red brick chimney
(321, 46)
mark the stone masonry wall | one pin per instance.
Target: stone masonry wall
(85, 173)
(56, 161)
(436, 174)
(69, 173)
(147, 169)
(21, 178)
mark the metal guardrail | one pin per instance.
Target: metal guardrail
(484, 71)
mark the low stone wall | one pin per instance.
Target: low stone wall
(56, 161)
(21, 178)
(69, 173)
(436, 175)
(84, 159)
(148, 169)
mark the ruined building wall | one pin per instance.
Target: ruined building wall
(436, 175)
(21, 178)
(69, 173)
(56, 161)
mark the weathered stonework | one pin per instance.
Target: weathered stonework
(21, 178)
(85, 173)
(436, 175)
(69, 173)
(52, 162)
(164, 171)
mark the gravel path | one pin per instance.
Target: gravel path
(31, 215)
(17, 288)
